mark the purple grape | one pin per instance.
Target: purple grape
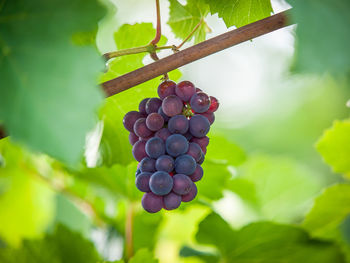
(195, 151)
(188, 135)
(166, 88)
(152, 203)
(130, 118)
(155, 147)
(147, 165)
(202, 142)
(191, 195)
(172, 201)
(138, 150)
(165, 163)
(142, 106)
(199, 126)
(182, 184)
(176, 145)
(153, 105)
(185, 164)
(198, 174)
(138, 171)
(142, 182)
(161, 183)
(200, 102)
(172, 105)
(214, 104)
(140, 128)
(133, 138)
(178, 124)
(154, 121)
(161, 112)
(185, 90)
(163, 133)
(198, 90)
(201, 160)
(210, 116)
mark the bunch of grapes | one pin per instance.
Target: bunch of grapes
(169, 140)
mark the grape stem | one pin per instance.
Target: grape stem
(159, 31)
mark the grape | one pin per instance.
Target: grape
(165, 163)
(171, 201)
(199, 126)
(178, 124)
(161, 112)
(176, 145)
(214, 104)
(191, 195)
(195, 151)
(172, 105)
(166, 88)
(198, 174)
(138, 171)
(138, 150)
(153, 105)
(142, 182)
(133, 138)
(155, 147)
(151, 202)
(200, 102)
(140, 128)
(201, 160)
(163, 133)
(147, 165)
(185, 164)
(130, 118)
(161, 183)
(202, 142)
(209, 115)
(184, 90)
(198, 90)
(188, 135)
(142, 106)
(154, 121)
(182, 184)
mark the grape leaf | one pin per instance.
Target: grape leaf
(143, 256)
(316, 53)
(48, 82)
(27, 204)
(183, 19)
(329, 210)
(334, 146)
(240, 12)
(283, 188)
(265, 242)
(115, 147)
(59, 247)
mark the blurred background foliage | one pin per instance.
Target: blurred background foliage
(275, 186)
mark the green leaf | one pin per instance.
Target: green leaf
(222, 149)
(60, 247)
(115, 147)
(283, 188)
(245, 189)
(183, 19)
(316, 53)
(143, 256)
(214, 180)
(240, 12)
(265, 242)
(207, 257)
(334, 146)
(48, 83)
(345, 229)
(329, 210)
(27, 204)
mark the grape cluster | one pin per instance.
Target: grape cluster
(169, 140)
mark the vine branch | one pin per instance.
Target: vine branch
(159, 31)
(196, 52)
